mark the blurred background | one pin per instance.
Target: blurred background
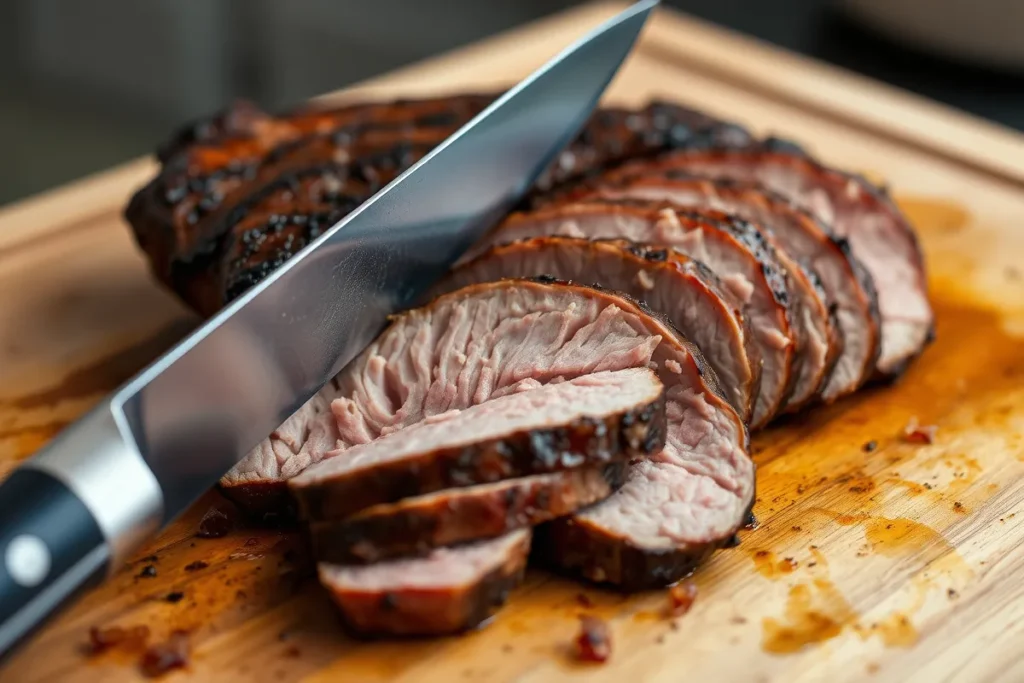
(86, 85)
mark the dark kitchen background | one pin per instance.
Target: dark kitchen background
(86, 85)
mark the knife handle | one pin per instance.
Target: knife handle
(51, 548)
(70, 516)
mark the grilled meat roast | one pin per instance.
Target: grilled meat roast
(583, 383)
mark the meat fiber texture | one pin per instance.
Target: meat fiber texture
(731, 248)
(688, 293)
(590, 420)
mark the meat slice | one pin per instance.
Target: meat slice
(684, 290)
(879, 236)
(735, 250)
(838, 359)
(584, 421)
(415, 526)
(446, 592)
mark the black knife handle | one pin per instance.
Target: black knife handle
(51, 548)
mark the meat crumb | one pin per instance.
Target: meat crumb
(645, 281)
(176, 596)
(958, 506)
(917, 433)
(163, 657)
(796, 528)
(869, 446)
(952, 594)
(593, 644)
(584, 601)
(196, 566)
(681, 598)
(674, 366)
(214, 524)
(103, 639)
(148, 572)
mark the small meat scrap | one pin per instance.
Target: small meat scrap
(594, 642)
(584, 601)
(869, 446)
(196, 566)
(681, 598)
(917, 433)
(147, 572)
(130, 638)
(163, 657)
(214, 524)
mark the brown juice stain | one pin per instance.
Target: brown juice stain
(25, 441)
(896, 630)
(772, 568)
(817, 459)
(933, 216)
(901, 536)
(815, 612)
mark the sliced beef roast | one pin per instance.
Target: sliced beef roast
(683, 289)
(849, 352)
(414, 526)
(879, 235)
(486, 340)
(732, 248)
(584, 421)
(446, 592)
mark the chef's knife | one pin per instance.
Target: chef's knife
(72, 514)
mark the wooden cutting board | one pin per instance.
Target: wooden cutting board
(902, 563)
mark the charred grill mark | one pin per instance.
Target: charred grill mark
(414, 527)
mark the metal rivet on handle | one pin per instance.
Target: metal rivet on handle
(27, 560)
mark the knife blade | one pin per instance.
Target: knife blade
(73, 513)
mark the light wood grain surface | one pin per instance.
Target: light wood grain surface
(899, 564)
